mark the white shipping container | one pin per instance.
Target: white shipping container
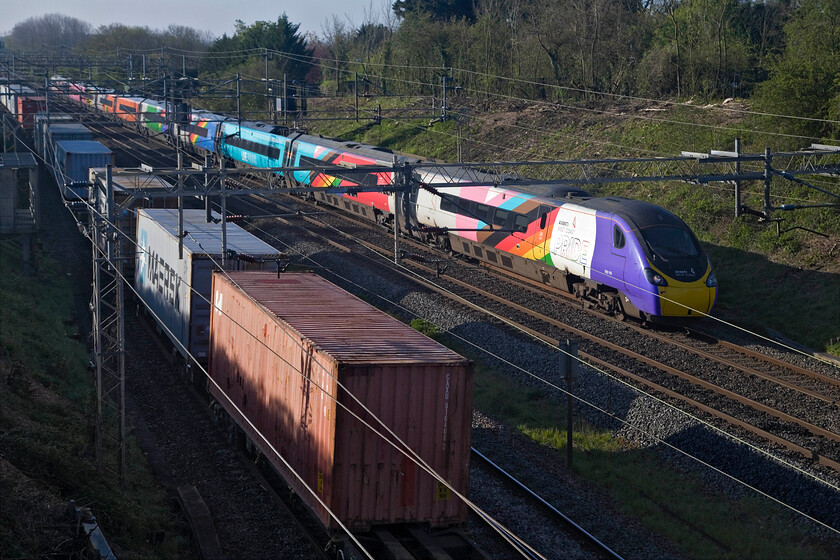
(177, 290)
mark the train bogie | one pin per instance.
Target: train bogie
(308, 365)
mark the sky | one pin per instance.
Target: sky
(215, 16)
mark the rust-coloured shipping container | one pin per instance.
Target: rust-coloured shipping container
(287, 350)
(27, 107)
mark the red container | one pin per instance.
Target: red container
(27, 107)
(279, 348)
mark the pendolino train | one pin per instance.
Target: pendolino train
(622, 256)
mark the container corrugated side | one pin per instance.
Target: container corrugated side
(69, 131)
(27, 107)
(177, 290)
(78, 156)
(280, 347)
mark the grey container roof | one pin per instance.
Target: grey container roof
(68, 127)
(206, 238)
(82, 147)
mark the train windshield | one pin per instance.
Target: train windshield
(670, 242)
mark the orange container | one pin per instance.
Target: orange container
(287, 351)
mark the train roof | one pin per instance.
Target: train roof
(207, 115)
(549, 190)
(637, 212)
(383, 155)
(262, 127)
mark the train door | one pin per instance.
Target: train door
(542, 245)
(618, 258)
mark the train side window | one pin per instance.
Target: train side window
(520, 223)
(500, 217)
(618, 237)
(447, 203)
(482, 213)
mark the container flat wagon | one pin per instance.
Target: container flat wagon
(290, 350)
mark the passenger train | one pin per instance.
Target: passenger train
(625, 257)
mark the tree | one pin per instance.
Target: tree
(280, 40)
(699, 47)
(589, 44)
(804, 80)
(437, 10)
(48, 31)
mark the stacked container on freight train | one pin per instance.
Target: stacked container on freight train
(290, 350)
(177, 288)
(73, 161)
(22, 102)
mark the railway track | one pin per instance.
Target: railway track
(547, 328)
(782, 403)
(588, 542)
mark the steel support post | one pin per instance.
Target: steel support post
(109, 334)
(568, 368)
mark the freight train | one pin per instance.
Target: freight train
(303, 372)
(625, 257)
(22, 102)
(69, 152)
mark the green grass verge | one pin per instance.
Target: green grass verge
(703, 524)
(46, 444)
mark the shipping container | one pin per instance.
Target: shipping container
(59, 131)
(288, 351)
(42, 124)
(10, 95)
(27, 107)
(73, 160)
(133, 191)
(177, 290)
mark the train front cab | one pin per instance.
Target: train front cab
(672, 286)
(687, 299)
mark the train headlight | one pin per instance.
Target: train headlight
(711, 280)
(655, 278)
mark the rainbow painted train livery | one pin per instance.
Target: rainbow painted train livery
(623, 256)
